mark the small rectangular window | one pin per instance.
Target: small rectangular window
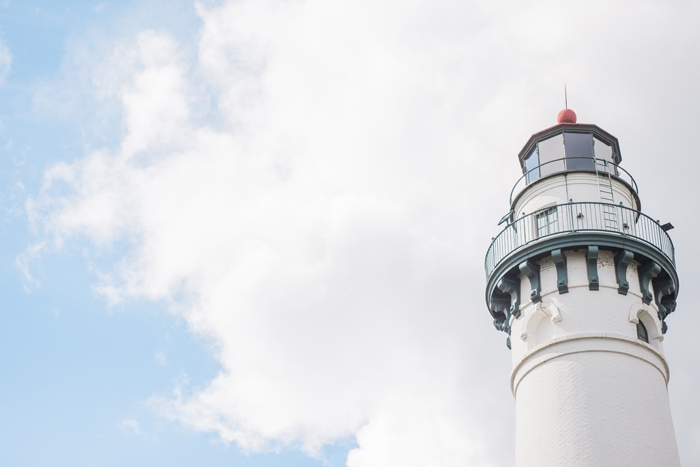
(547, 222)
(642, 334)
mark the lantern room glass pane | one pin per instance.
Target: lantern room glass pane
(551, 155)
(603, 150)
(604, 156)
(579, 151)
(532, 171)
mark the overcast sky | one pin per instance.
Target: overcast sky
(252, 232)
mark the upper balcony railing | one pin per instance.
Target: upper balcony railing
(577, 217)
(572, 164)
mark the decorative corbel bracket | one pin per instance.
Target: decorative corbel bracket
(560, 262)
(511, 287)
(669, 304)
(647, 272)
(500, 305)
(622, 260)
(664, 291)
(552, 310)
(542, 311)
(592, 264)
(532, 271)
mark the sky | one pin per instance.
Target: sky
(251, 233)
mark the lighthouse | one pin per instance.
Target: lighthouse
(582, 282)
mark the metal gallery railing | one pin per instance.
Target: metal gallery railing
(577, 217)
(572, 164)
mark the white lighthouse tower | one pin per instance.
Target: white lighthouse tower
(582, 282)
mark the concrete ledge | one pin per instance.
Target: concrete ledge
(588, 342)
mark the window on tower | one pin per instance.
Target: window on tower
(642, 334)
(547, 221)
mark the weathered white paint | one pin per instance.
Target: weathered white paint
(575, 186)
(588, 392)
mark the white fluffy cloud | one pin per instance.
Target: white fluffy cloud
(5, 61)
(313, 193)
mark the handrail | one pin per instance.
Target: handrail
(601, 166)
(576, 217)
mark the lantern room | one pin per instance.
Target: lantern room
(568, 148)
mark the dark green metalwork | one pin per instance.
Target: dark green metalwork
(573, 241)
(500, 310)
(560, 262)
(642, 250)
(532, 271)
(592, 264)
(665, 291)
(669, 305)
(506, 304)
(511, 287)
(622, 261)
(647, 272)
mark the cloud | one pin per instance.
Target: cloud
(5, 62)
(160, 358)
(297, 245)
(130, 425)
(24, 264)
(11, 201)
(313, 194)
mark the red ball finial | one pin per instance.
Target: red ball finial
(566, 116)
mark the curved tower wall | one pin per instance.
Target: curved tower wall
(588, 392)
(575, 187)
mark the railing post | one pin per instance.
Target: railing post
(571, 218)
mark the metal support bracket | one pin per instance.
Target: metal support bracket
(500, 305)
(532, 271)
(647, 272)
(592, 263)
(512, 287)
(622, 260)
(560, 262)
(664, 291)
